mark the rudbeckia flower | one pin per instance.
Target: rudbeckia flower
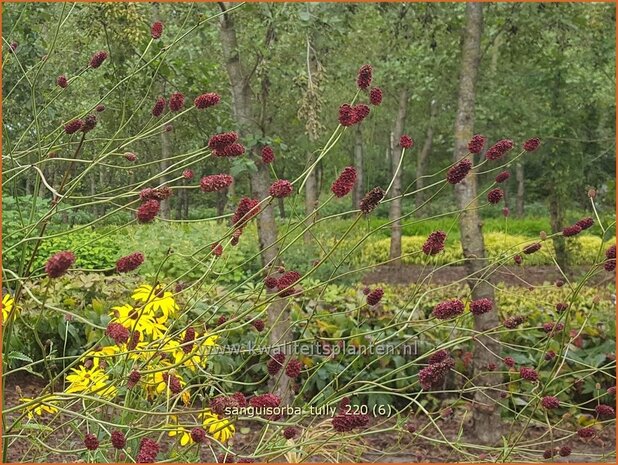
(219, 428)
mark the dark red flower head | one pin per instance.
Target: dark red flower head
(371, 200)
(532, 144)
(480, 306)
(571, 230)
(206, 100)
(258, 325)
(177, 101)
(148, 451)
(215, 182)
(133, 379)
(406, 141)
(91, 442)
(286, 281)
(290, 432)
(530, 249)
(247, 208)
(550, 402)
(265, 400)
(361, 111)
(118, 440)
(434, 243)
(448, 309)
(293, 368)
(476, 143)
(117, 332)
(98, 58)
(346, 422)
(159, 107)
(59, 263)
(187, 174)
(503, 176)
(100, 108)
(495, 195)
(605, 411)
(222, 140)
(217, 249)
(497, 150)
(347, 115)
(148, 211)
(129, 262)
(188, 340)
(344, 184)
(73, 126)
(375, 96)
(62, 81)
(610, 253)
(509, 362)
(232, 150)
(529, 374)
(281, 188)
(268, 155)
(374, 297)
(565, 451)
(363, 80)
(90, 123)
(513, 322)
(585, 223)
(156, 30)
(271, 282)
(586, 433)
(459, 171)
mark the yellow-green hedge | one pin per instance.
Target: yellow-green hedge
(583, 250)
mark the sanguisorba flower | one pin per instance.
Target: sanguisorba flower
(532, 248)
(247, 208)
(268, 155)
(73, 126)
(476, 143)
(375, 96)
(347, 115)
(148, 211)
(62, 81)
(222, 140)
(148, 451)
(344, 184)
(159, 107)
(177, 101)
(481, 306)
(130, 262)
(495, 195)
(281, 188)
(434, 243)
(448, 309)
(371, 200)
(215, 182)
(532, 144)
(119, 440)
(204, 101)
(459, 171)
(156, 30)
(498, 150)
(503, 176)
(90, 122)
(570, 231)
(363, 79)
(91, 441)
(59, 263)
(406, 141)
(98, 58)
(375, 296)
(293, 368)
(219, 428)
(585, 223)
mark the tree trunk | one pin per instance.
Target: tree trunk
(394, 213)
(359, 189)
(486, 413)
(278, 315)
(163, 165)
(557, 222)
(311, 196)
(423, 157)
(519, 200)
(222, 196)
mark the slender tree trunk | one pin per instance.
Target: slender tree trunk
(221, 203)
(486, 414)
(359, 188)
(557, 223)
(311, 196)
(395, 192)
(163, 165)
(423, 157)
(519, 200)
(278, 314)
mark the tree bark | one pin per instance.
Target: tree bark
(519, 199)
(423, 157)
(394, 213)
(278, 315)
(556, 220)
(486, 413)
(311, 196)
(359, 189)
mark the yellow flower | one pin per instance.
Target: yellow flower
(41, 407)
(163, 384)
(181, 431)
(156, 300)
(7, 306)
(130, 318)
(219, 428)
(101, 354)
(90, 381)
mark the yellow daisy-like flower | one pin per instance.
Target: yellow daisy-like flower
(90, 381)
(183, 433)
(161, 384)
(156, 300)
(41, 407)
(100, 354)
(129, 317)
(219, 428)
(7, 306)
